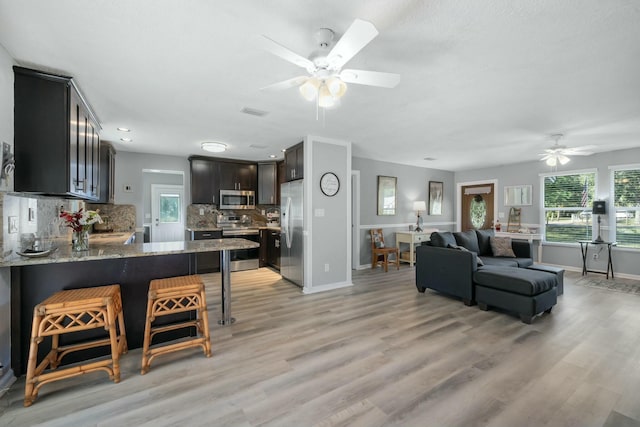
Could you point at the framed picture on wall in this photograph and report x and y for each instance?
(387, 195)
(436, 189)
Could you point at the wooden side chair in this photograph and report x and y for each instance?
(380, 252)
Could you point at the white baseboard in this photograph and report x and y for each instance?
(6, 380)
(323, 288)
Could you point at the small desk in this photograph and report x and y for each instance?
(412, 238)
(584, 247)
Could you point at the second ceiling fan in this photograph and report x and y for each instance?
(326, 81)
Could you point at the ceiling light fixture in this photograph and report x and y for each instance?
(327, 92)
(214, 147)
(272, 156)
(124, 129)
(126, 139)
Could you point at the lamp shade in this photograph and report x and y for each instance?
(599, 207)
(419, 206)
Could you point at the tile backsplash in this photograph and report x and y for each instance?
(27, 213)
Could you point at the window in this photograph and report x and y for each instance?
(169, 208)
(626, 205)
(567, 206)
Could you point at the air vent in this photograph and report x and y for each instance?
(430, 159)
(254, 112)
(258, 146)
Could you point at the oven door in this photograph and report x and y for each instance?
(244, 259)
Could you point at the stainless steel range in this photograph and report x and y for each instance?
(241, 226)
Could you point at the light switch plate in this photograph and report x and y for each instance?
(127, 188)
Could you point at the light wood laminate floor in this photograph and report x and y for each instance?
(375, 354)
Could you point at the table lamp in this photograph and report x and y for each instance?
(599, 208)
(419, 206)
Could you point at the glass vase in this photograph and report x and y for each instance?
(80, 241)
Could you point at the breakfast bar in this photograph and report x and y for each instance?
(131, 266)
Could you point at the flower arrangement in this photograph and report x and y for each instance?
(80, 220)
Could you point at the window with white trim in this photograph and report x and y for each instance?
(567, 200)
(626, 204)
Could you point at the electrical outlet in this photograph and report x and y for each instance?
(201, 211)
(326, 267)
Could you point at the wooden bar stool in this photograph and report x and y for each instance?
(74, 311)
(170, 296)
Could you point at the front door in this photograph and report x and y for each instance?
(166, 211)
(477, 206)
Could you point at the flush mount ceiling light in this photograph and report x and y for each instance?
(124, 129)
(126, 139)
(214, 147)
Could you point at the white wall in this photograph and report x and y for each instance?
(625, 260)
(6, 135)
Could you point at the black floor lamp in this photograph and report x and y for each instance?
(599, 208)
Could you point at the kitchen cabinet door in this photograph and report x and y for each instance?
(247, 176)
(267, 183)
(106, 181)
(273, 248)
(203, 180)
(294, 162)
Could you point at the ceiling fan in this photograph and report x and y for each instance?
(327, 81)
(559, 153)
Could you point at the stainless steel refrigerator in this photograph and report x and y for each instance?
(291, 226)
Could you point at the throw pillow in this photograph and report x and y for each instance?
(468, 239)
(462, 248)
(379, 244)
(501, 246)
(441, 239)
(484, 243)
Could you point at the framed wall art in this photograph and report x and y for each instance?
(387, 195)
(518, 195)
(436, 189)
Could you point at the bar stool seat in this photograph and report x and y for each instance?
(170, 296)
(74, 311)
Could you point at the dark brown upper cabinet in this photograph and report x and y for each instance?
(268, 184)
(57, 141)
(209, 175)
(294, 162)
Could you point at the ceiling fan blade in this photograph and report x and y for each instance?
(545, 157)
(571, 152)
(286, 54)
(357, 36)
(287, 84)
(370, 78)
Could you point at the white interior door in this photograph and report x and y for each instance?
(167, 213)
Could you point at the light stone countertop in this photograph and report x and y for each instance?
(99, 251)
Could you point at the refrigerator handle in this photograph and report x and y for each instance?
(288, 221)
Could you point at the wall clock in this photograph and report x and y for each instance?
(329, 184)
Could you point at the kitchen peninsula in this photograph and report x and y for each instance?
(130, 266)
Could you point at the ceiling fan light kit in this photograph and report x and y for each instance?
(327, 82)
(559, 153)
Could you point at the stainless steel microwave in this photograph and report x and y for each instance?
(237, 199)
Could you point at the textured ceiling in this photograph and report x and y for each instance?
(484, 83)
